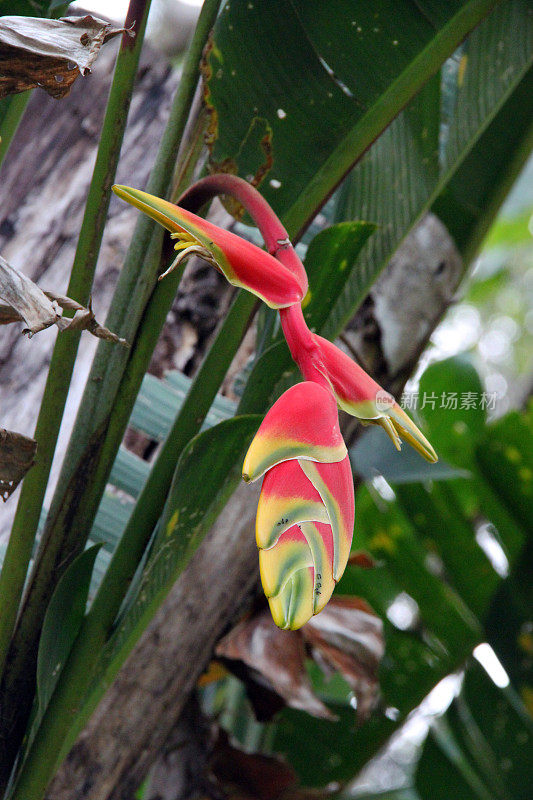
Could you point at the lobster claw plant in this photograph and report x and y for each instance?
(305, 516)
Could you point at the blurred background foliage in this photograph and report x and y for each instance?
(493, 319)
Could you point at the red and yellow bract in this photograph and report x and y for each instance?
(303, 423)
(358, 394)
(242, 263)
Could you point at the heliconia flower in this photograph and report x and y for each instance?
(242, 263)
(305, 515)
(358, 394)
(304, 530)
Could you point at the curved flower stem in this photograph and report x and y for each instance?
(303, 347)
(276, 237)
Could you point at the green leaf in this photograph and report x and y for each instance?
(322, 752)
(509, 625)
(505, 457)
(446, 531)
(58, 6)
(506, 727)
(455, 424)
(61, 625)
(510, 232)
(300, 138)
(469, 202)
(481, 748)
(129, 472)
(444, 772)
(34, 8)
(273, 373)
(477, 100)
(111, 519)
(331, 261)
(388, 536)
(159, 401)
(373, 455)
(201, 486)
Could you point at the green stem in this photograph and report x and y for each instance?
(55, 394)
(66, 530)
(63, 719)
(187, 423)
(14, 108)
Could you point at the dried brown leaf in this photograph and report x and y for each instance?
(361, 559)
(275, 660)
(240, 775)
(17, 453)
(250, 775)
(346, 637)
(26, 299)
(83, 319)
(39, 310)
(49, 53)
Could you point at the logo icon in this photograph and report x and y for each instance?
(384, 400)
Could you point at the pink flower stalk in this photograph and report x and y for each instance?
(305, 516)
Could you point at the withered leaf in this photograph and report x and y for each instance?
(346, 636)
(360, 558)
(49, 53)
(25, 299)
(17, 453)
(39, 310)
(83, 319)
(276, 661)
(250, 775)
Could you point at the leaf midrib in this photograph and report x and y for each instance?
(384, 110)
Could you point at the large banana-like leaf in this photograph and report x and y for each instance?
(295, 93)
(481, 749)
(420, 158)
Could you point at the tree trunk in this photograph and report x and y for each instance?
(132, 723)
